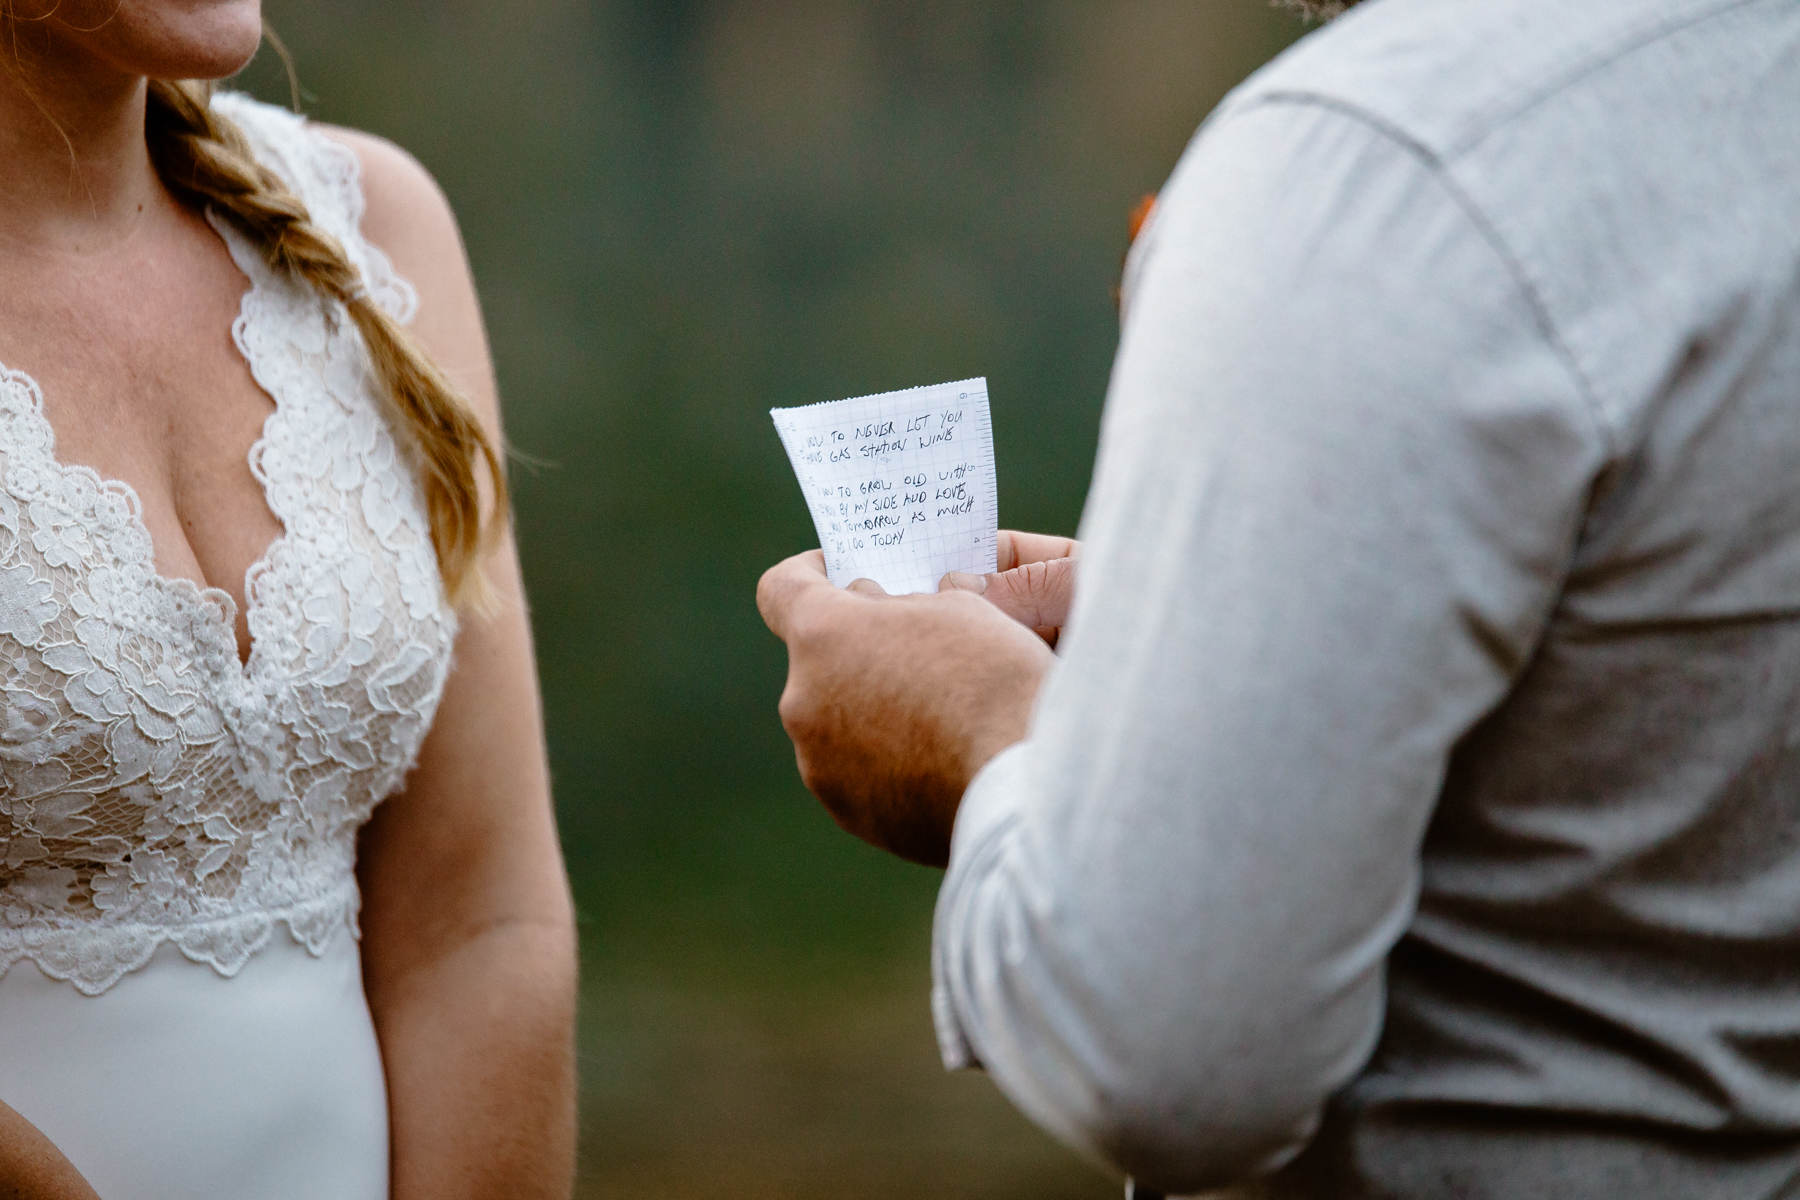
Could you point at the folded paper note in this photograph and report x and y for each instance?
(900, 485)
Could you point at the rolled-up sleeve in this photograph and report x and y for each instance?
(1342, 471)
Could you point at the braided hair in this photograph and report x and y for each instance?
(205, 160)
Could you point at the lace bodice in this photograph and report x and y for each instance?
(153, 788)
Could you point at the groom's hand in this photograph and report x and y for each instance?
(1033, 581)
(894, 702)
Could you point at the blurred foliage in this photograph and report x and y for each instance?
(681, 213)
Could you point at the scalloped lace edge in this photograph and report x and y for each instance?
(94, 958)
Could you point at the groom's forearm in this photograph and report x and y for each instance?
(479, 1052)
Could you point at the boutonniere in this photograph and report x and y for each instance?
(1140, 215)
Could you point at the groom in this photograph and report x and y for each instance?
(1408, 807)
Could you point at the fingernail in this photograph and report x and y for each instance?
(962, 581)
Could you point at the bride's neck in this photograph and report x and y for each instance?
(78, 173)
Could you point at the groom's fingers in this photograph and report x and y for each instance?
(786, 586)
(1037, 594)
(1013, 548)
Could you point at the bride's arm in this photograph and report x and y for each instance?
(468, 933)
(32, 1168)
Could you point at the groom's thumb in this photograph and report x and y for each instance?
(1035, 594)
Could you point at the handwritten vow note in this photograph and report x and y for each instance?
(901, 485)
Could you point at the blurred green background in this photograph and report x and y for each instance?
(680, 213)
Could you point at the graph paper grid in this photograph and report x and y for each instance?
(900, 485)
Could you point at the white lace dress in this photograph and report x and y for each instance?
(181, 1008)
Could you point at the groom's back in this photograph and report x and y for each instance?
(1601, 993)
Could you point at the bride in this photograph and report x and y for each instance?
(281, 908)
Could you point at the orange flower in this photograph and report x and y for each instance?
(1141, 213)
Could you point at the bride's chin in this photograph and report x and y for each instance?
(213, 58)
(162, 39)
(195, 39)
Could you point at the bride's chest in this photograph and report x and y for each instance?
(125, 689)
(141, 381)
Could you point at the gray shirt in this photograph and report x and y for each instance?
(1415, 809)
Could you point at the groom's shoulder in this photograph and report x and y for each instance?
(1443, 74)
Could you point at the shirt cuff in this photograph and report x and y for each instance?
(989, 808)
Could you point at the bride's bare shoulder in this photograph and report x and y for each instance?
(404, 209)
(407, 216)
